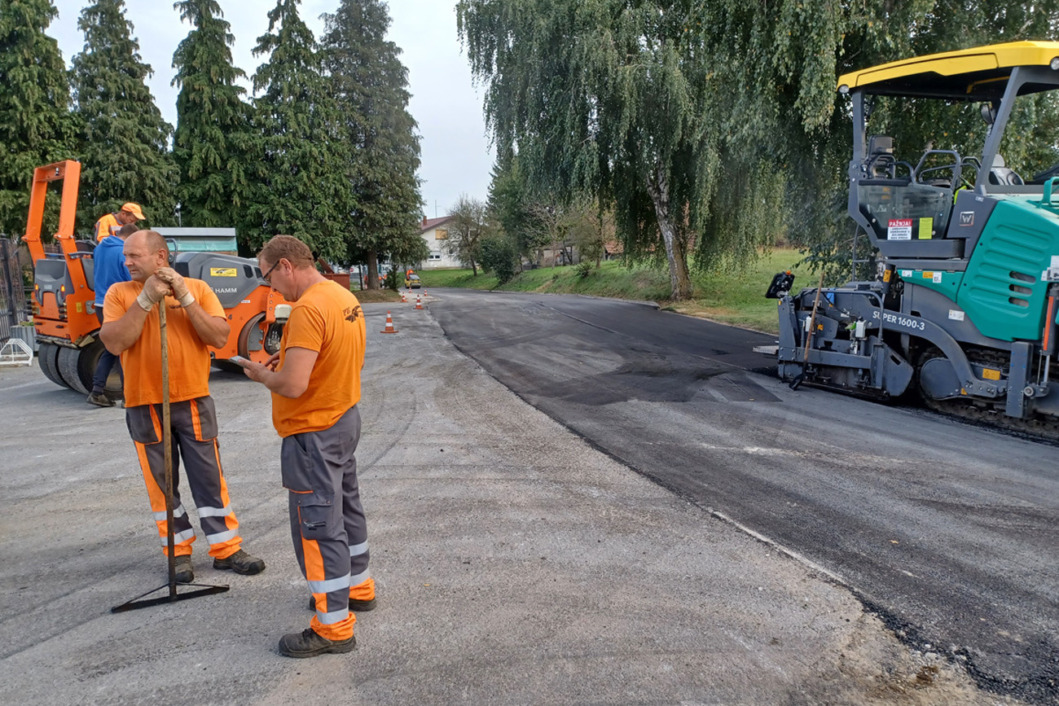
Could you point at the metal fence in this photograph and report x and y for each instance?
(13, 309)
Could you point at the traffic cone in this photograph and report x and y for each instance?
(389, 324)
(403, 299)
(419, 302)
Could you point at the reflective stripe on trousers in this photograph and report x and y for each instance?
(193, 424)
(328, 527)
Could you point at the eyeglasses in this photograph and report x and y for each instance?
(267, 276)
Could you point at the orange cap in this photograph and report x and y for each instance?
(134, 209)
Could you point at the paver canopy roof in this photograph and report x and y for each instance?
(975, 74)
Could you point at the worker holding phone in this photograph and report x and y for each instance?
(315, 385)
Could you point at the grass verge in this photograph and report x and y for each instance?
(735, 296)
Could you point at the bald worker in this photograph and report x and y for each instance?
(194, 321)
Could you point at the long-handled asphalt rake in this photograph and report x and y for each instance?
(167, 440)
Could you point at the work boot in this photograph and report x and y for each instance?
(184, 572)
(240, 563)
(354, 605)
(100, 399)
(308, 643)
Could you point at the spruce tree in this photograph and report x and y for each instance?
(297, 152)
(210, 118)
(34, 105)
(123, 138)
(371, 86)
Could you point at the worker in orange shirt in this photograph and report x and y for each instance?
(194, 320)
(315, 384)
(109, 224)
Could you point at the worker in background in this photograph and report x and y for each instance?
(108, 267)
(315, 385)
(129, 213)
(194, 320)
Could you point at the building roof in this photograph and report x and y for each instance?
(431, 223)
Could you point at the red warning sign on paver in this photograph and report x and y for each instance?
(899, 229)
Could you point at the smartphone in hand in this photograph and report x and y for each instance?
(239, 360)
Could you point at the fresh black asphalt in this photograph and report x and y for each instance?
(948, 531)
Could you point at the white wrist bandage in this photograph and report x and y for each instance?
(144, 301)
(187, 300)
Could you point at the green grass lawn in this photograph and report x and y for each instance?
(734, 296)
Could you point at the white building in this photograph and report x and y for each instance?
(434, 234)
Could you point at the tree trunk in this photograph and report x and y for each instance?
(373, 271)
(679, 282)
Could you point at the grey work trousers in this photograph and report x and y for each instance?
(328, 527)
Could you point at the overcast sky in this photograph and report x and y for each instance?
(455, 153)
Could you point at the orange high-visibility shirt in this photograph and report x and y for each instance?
(107, 225)
(327, 318)
(189, 357)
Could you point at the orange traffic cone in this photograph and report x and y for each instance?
(389, 324)
(419, 302)
(404, 300)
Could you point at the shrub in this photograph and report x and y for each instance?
(500, 256)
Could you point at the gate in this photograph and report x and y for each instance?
(12, 292)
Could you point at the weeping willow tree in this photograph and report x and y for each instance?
(689, 119)
(713, 128)
(604, 99)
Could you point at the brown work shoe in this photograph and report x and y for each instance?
(354, 605)
(100, 400)
(240, 563)
(184, 572)
(308, 643)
